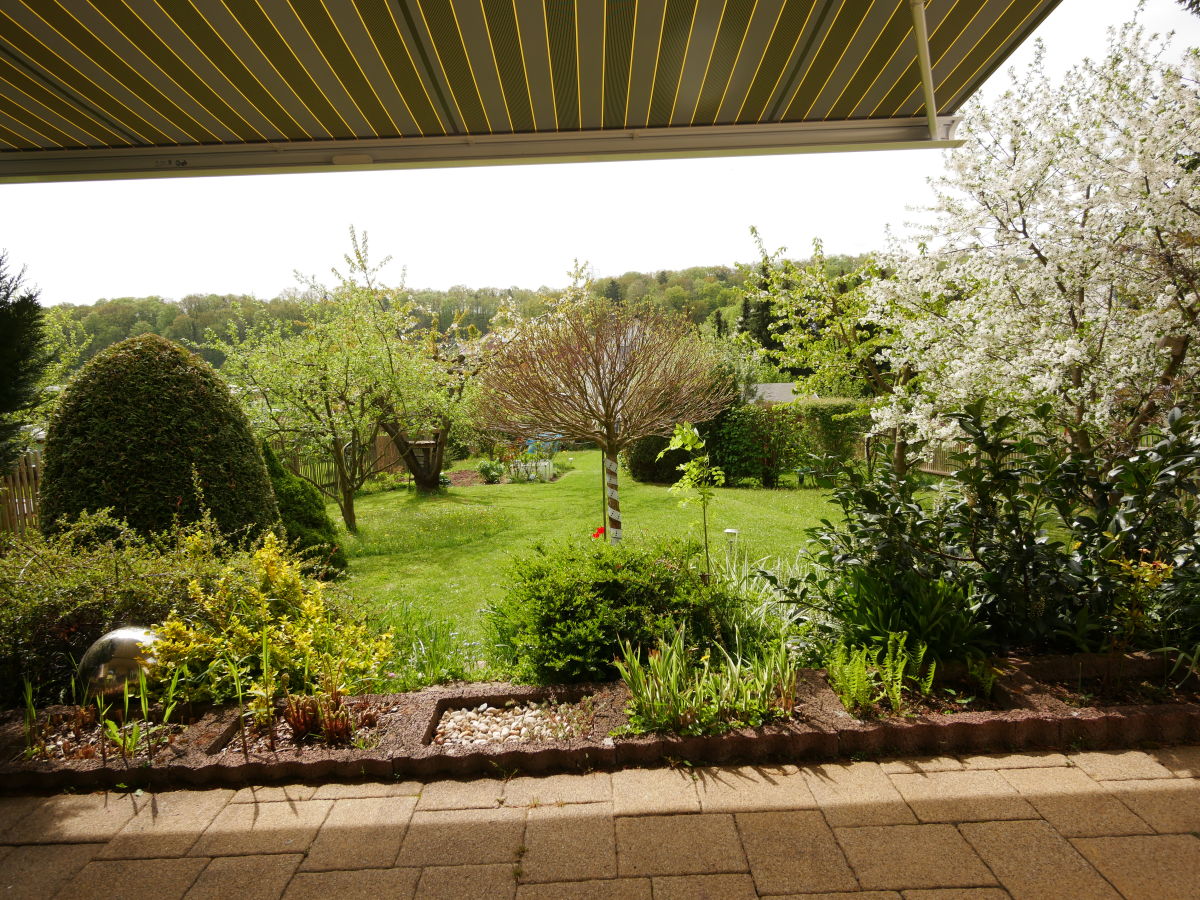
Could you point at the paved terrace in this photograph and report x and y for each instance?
(1076, 825)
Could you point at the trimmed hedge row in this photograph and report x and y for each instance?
(761, 442)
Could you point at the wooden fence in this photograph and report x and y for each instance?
(19, 494)
(320, 469)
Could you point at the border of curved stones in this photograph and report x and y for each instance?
(822, 730)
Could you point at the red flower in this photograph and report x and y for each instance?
(599, 532)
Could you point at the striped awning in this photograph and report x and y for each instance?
(134, 88)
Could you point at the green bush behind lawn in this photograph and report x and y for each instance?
(450, 554)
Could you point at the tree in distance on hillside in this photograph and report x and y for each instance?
(23, 357)
(595, 370)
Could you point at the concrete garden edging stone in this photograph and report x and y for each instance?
(821, 730)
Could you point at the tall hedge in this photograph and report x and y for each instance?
(303, 514)
(141, 426)
(764, 442)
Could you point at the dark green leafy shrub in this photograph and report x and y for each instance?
(95, 574)
(756, 442)
(644, 463)
(1057, 548)
(303, 515)
(148, 430)
(568, 608)
(831, 426)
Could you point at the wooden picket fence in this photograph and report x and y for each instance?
(19, 494)
(320, 469)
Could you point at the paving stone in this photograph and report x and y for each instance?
(14, 809)
(920, 764)
(571, 842)
(648, 792)
(133, 879)
(454, 837)
(793, 851)
(852, 794)
(361, 833)
(704, 887)
(245, 877)
(750, 788)
(483, 793)
(38, 871)
(678, 845)
(368, 789)
(593, 787)
(275, 793)
(1074, 804)
(74, 818)
(958, 894)
(245, 829)
(1156, 867)
(842, 895)
(168, 825)
(897, 857)
(496, 882)
(363, 884)
(962, 797)
(1118, 765)
(1033, 860)
(616, 889)
(4, 851)
(1184, 762)
(1035, 760)
(1169, 806)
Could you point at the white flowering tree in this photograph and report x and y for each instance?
(1062, 265)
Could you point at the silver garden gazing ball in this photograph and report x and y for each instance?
(116, 658)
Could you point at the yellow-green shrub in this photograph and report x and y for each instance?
(265, 630)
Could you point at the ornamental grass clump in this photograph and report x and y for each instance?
(671, 694)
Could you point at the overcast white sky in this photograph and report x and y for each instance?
(502, 226)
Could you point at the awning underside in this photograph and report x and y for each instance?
(96, 88)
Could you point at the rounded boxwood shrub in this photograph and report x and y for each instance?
(303, 515)
(568, 608)
(149, 430)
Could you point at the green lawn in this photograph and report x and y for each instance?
(448, 554)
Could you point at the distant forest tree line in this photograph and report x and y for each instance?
(704, 294)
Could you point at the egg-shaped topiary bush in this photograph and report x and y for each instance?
(303, 514)
(148, 429)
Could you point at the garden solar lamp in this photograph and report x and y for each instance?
(731, 535)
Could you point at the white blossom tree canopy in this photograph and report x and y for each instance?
(1062, 265)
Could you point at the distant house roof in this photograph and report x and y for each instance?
(775, 392)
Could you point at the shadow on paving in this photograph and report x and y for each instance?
(1104, 824)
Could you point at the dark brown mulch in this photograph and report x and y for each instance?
(77, 733)
(1087, 692)
(465, 478)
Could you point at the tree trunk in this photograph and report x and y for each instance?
(613, 528)
(899, 455)
(427, 476)
(346, 504)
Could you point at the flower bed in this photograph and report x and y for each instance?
(209, 751)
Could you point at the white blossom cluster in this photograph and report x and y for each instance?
(1062, 264)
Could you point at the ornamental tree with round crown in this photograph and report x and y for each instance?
(594, 370)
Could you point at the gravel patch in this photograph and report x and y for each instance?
(513, 723)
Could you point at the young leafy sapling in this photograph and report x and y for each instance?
(700, 477)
